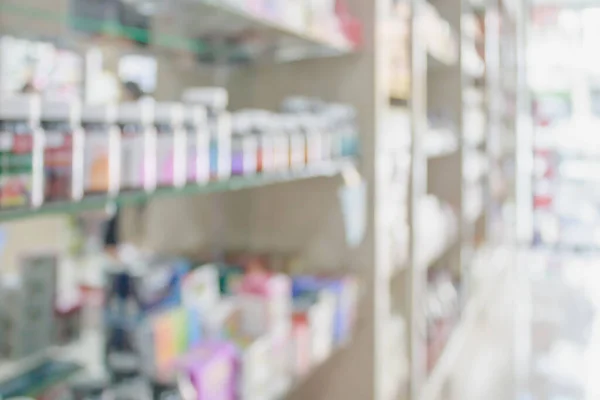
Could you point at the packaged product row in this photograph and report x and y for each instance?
(56, 151)
(243, 328)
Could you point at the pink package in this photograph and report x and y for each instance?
(211, 369)
(265, 302)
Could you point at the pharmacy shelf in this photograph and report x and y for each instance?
(224, 20)
(328, 169)
(87, 353)
(213, 30)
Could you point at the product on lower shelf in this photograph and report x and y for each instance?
(227, 331)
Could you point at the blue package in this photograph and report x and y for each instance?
(160, 288)
(302, 285)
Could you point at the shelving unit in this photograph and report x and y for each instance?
(461, 178)
(412, 180)
(330, 169)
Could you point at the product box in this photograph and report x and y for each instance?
(223, 321)
(166, 336)
(255, 367)
(210, 371)
(201, 288)
(159, 286)
(301, 359)
(265, 302)
(345, 291)
(319, 309)
(281, 348)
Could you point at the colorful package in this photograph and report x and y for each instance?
(265, 302)
(201, 289)
(210, 370)
(255, 368)
(344, 289)
(160, 286)
(230, 279)
(301, 360)
(20, 147)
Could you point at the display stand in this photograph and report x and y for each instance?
(405, 161)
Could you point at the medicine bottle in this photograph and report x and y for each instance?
(63, 150)
(21, 152)
(197, 145)
(244, 147)
(138, 145)
(170, 144)
(101, 150)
